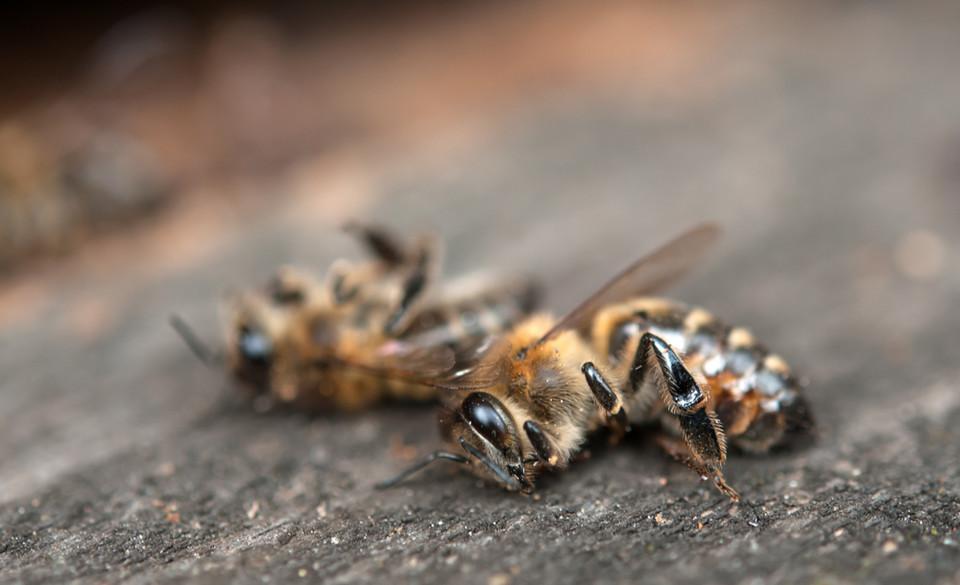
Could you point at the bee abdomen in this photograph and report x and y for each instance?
(753, 390)
(756, 396)
(460, 322)
(693, 333)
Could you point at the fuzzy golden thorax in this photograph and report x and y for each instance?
(539, 384)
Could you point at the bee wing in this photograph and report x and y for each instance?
(397, 360)
(476, 376)
(650, 273)
(434, 366)
(427, 361)
(471, 368)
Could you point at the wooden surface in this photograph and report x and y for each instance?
(826, 141)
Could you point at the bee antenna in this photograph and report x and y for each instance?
(199, 349)
(496, 470)
(420, 465)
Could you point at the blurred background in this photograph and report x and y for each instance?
(149, 116)
(153, 155)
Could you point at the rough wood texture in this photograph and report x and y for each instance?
(827, 142)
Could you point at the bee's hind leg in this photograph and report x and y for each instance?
(701, 429)
(680, 452)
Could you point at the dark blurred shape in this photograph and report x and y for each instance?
(129, 48)
(115, 107)
(71, 165)
(52, 195)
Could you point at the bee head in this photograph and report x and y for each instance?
(486, 431)
(258, 322)
(253, 355)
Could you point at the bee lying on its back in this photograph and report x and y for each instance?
(756, 398)
(544, 386)
(368, 332)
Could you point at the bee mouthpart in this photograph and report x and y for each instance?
(518, 471)
(497, 471)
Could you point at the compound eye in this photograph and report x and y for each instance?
(482, 413)
(255, 346)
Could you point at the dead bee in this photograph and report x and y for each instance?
(757, 399)
(542, 388)
(368, 332)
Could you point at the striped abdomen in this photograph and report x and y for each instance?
(461, 319)
(470, 311)
(752, 390)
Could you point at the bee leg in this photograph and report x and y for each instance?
(543, 445)
(609, 400)
(681, 453)
(701, 429)
(288, 287)
(337, 280)
(414, 286)
(381, 243)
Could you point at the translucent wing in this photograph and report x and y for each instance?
(396, 357)
(475, 366)
(436, 366)
(483, 369)
(650, 273)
